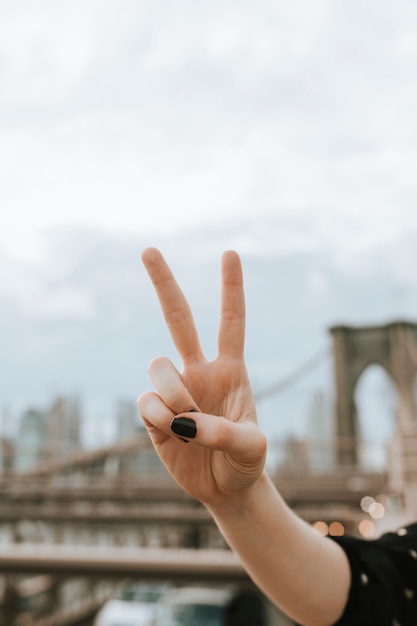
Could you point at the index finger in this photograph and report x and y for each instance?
(176, 310)
(231, 338)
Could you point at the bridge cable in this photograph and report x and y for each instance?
(292, 378)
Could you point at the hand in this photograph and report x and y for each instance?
(225, 451)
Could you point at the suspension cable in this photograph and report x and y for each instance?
(292, 378)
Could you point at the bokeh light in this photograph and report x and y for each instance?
(322, 528)
(336, 529)
(366, 528)
(377, 510)
(366, 503)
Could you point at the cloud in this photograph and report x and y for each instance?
(45, 50)
(285, 130)
(37, 292)
(130, 118)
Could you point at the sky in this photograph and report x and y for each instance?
(284, 130)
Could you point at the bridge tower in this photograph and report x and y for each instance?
(394, 347)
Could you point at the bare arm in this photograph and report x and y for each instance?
(222, 464)
(304, 574)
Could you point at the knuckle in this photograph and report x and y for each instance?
(148, 403)
(178, 399)
(176, 316)
(231, 315)
(158, 363)
(142, 401)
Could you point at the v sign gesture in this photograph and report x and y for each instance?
(227, 450)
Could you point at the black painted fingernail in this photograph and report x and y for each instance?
(184, 427)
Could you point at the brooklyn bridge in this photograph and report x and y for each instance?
(74, 529)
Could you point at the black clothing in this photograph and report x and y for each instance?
(245, 609)
(384, 579)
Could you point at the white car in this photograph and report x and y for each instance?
(192, 606)
(122, 613)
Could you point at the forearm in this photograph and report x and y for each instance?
(304, 574)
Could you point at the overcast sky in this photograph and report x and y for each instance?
(285, 130)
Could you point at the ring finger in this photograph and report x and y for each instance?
(168, 383)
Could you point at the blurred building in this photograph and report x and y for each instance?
(127, 420)
(47, 435)
(6, 455)
(30, 441)
(129, 427)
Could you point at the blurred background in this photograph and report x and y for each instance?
(284, 130)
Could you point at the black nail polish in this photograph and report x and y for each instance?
(184, 427)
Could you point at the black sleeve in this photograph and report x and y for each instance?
(383, 591)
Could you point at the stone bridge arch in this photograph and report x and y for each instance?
(394, 347)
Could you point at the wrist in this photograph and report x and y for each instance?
(243, 503)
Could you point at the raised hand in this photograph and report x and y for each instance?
(202, 420)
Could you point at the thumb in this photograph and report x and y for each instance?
(242, 440)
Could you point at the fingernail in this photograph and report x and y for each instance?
(184, 427)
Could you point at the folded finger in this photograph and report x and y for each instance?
(154, 411)
(169, 385)
(243, 440)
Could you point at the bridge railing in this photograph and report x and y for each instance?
(131, 462)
